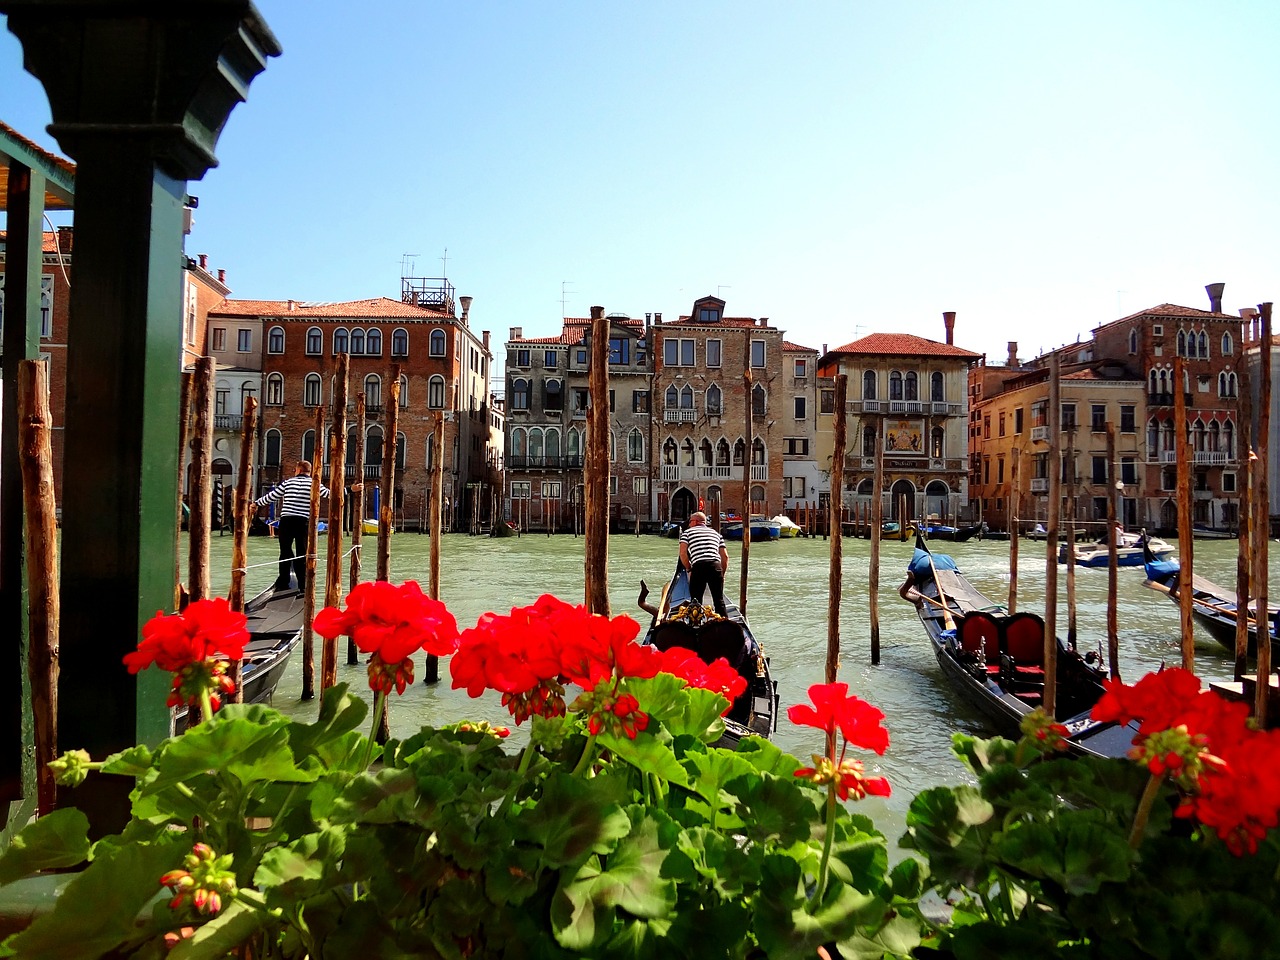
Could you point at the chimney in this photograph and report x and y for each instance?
(1215, 296)
(949, 321)
(466, 309)
(1013, 353)
(824, 349)
(484, 335)
(648, 319)
(292, 306)
(1247, 315)
(657, 318)
(222, 277)
(66, 237)
(517, 333)
(764, 321)
(204, 262)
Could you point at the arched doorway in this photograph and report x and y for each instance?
(683, 505)
(937, 497)
(903, 488)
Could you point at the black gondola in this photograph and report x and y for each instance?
(1212, 605)
(995, 660)
(679, 623)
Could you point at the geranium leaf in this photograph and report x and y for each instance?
(134, 762)
(384, 796)
(682, 710)
(232, 746)
(58, 839)
(340, 713)
(767, 757)
(575, 818)
(222, 935)
(939, 824)
(786, 924)
(302, 864)
(774, 810)
(99, 909)
(899, 936)
(1079, 853)
(647, 754)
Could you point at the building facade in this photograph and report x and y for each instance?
(916, 391)
(801, 478)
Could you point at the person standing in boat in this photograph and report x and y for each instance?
(704, 556)
(294, 497)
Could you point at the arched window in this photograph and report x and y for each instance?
(1153, 437)
(552, 440)
(758, 454)
(739, 452)
(912, 384)
(519, 443)
(311, 392)
(1133, 341)
(869, 385)
(340, 344)
(670, 452)
(535, 447)
(519, 394)
(865, 487)
(400, 342)
(351, 447)
(275, 390)
(1229, 440)
(435, 393)
(431, 451)
(936, 392)
(1197, 437)
(1152, 378)
(672, 397)
(706, 454)
(686, 397)
(688, 452)
(1228, 345)
(275, 340)
(309, 446)
(373, 445)
(573, 445)
(895, 385)
(757, 493)
(357, 342)
(1222, 385)
(315, 341)
(400, 449)
(373, 343)
(713, 401)
(868, 441)
(247, 390)
(436, 343)
(404, 392)
(271, 452)
(722, 453)
(553, 398)
(759, 400)
(1182, 343)
(635, 446)
(1166, 436)
(936, 442)
(1204, 345)
(373, 392)
(1214, 439)
(613, 447)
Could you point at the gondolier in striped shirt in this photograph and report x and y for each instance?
(703, 555)
(294, 497)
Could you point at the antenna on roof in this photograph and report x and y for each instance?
(564, 295)
(407, 264)
(723, 286)
(444, 264)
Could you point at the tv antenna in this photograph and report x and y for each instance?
(444, 264)
(723, 286)
(407, 264)
(564, 295)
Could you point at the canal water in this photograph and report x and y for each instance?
(787, 608)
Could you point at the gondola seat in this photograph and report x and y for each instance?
(980, 638)
(1022, 640)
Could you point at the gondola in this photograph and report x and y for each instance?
(1212, 605)
(678, 623)
(995, 661)
(275, 620)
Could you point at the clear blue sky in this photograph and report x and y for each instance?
(841, 168)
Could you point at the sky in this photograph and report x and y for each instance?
(842, 168)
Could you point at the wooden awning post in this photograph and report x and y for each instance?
(138, 95)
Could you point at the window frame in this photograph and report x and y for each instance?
(314, 342)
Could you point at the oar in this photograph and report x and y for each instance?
(947, 620)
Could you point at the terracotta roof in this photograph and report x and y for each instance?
(47, 244)
(722, 322)
(376, 309)
(904, 345)
(1173, 310)
(788, 346)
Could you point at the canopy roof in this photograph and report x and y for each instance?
(59, 172)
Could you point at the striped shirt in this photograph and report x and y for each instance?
(704, 543)
(293, 495)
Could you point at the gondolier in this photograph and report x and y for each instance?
(294, 497)
(704, 556)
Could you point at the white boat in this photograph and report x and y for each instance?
(786, 526)
(1129, 551)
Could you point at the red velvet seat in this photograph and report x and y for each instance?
(980, 633)
(1023, 643)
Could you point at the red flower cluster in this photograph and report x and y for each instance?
(1230, 771)
(859, 722)
(530, 655)
(205, 630)
(391, 623)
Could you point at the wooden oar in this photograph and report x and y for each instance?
(947, 620)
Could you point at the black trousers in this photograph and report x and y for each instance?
(704, 574)
(292, 534)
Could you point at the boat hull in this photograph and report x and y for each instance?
(1213, 607)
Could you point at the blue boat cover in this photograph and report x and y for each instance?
(919, 565)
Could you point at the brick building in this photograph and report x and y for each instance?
(444, 367)
(917, 390)
(801, 478)
(701, 405)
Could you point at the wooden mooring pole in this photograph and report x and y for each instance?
(1262, 522)
(386, 504)
(745, 564)
(1051, 538)
(243, 517)
(184, 428)
(1113, 560)
(1186, 557)
(333, 542)
(596, 470)
(1070, 467)
(1015, 510)
(431, 672)
(35, 427)
(877, 510)
(1244, 516)
(309, 588)
(835, 575)
(200, 520)
(357, 519)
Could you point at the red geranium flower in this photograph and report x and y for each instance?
(205, 630)
(391, 621)
(859, 721)
(718, 677)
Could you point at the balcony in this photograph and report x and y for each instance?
(867, 406)
(372, 471)
(1039, 484)
(679, 415)
(1040, 434)
(1165, 399)
(1213, 458)
(671, 472)
(568, 462)
(228, 421)
(719, 474)
(759, 471)
(943, 409)
(907, 406)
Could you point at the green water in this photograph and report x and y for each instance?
(787, 607)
